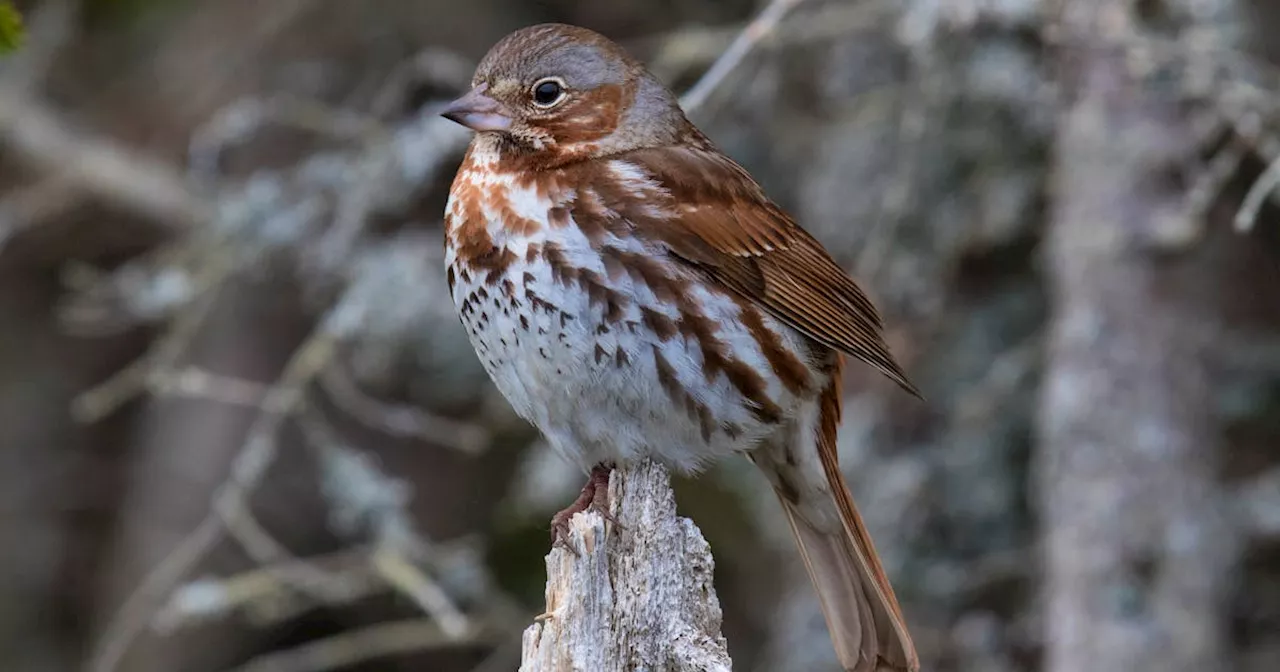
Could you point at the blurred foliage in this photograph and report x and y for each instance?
(10, 27)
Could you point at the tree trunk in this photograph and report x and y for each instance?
(1137, 545)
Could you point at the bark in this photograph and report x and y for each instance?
(1138, 550)
(637, 596)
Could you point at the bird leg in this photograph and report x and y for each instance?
(594, 497)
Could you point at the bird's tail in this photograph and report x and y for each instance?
(862, 613)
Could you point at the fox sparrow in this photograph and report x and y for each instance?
(634, 294)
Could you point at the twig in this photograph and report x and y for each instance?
(100, 401)
(355, 646)
(401, 420)
(284, 399)
(1213, 178)
(691, 46)
(239, 121)
(99, 165)
(759, 28)
(52, 195)
(134, 614)
(435, 66)
(198, 383)
(1263, 187)
(429, 596)
(359, 491)
(247, 470)
(260, 592)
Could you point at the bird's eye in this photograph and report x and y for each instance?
(547, 92)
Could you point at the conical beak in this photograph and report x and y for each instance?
(477, 111)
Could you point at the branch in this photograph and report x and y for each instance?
(759, 28)
(638, 596)
(356, 646)
(100, 166)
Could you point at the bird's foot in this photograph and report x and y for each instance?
(594, 497)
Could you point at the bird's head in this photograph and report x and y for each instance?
(563, 93)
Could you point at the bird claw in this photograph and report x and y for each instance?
(594, 497)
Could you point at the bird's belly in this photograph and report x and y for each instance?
(608, 371)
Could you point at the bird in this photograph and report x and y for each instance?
(634, 294)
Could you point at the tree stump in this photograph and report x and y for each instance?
(635, 597)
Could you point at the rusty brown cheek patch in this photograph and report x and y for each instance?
(591, 118)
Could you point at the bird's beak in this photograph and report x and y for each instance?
(477, 111)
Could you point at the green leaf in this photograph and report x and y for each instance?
(10, 27)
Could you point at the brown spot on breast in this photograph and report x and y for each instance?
(539, 303)
(662, 326)
(558, 217)
(473, 246)
(592, 213)
(496, 262)
(681, 397)
(599, 293)
(561, 270)
(667, 375)
(717, 359)
(535, 174)
(787, 366)
(497, 198)
(662, 278)
(466, 211)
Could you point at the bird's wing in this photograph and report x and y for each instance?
(709, 212)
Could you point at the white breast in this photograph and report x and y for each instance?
(576, 357)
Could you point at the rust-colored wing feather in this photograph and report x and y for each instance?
(728, 227)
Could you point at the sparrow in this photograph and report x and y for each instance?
(634, 294)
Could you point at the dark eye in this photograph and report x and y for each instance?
(547, 92)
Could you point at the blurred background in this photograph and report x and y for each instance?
(241, 428)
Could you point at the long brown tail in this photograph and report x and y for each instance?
(866, 623)
(862, 612)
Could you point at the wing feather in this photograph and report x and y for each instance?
(718, 219)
